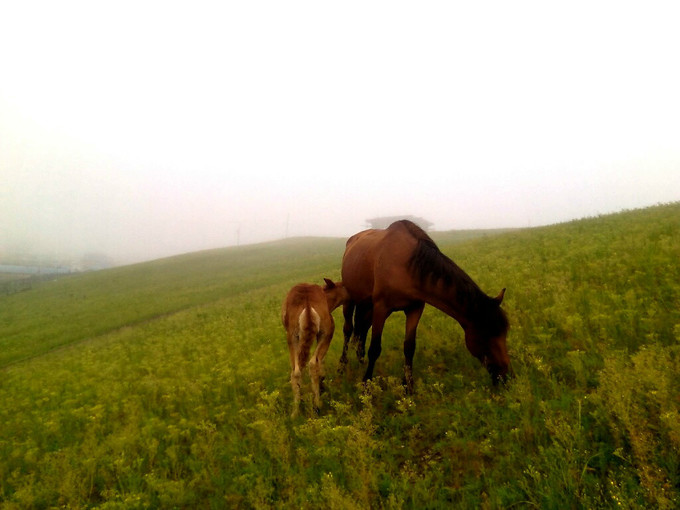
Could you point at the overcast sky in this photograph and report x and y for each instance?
(143, 129)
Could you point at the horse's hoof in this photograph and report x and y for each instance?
(407, 382)
(408, 387)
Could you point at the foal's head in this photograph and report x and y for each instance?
(336, 294)
(485, 338)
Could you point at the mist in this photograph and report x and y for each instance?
(143, 130)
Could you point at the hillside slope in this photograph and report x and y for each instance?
(180, 396)
(86, 305)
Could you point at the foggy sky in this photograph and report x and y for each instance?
(141, 130)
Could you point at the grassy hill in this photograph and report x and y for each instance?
(87, 305)
(165, 384)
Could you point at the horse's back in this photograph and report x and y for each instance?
(373, 256)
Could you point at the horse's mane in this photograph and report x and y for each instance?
(429, 265)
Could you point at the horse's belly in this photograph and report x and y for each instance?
(357, 274)
(358, 281)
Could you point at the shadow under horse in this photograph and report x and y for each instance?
(401, 268)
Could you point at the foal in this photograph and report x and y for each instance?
(306, 315)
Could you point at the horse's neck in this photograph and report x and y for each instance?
(447, 299)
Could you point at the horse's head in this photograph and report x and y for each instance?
(486, 339)
(336, 294)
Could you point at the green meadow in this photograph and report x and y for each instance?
(166, 384)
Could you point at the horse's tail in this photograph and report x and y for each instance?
(309, 323)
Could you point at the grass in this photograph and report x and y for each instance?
(165, 384)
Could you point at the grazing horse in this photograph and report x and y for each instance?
(401, 268)
(306, 315)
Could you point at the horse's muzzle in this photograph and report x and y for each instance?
(499, 375)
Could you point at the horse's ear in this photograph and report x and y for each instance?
(329, 283)
(499, 299)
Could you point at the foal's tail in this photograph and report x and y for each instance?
(309, 323)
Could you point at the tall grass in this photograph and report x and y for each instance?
(180, 395)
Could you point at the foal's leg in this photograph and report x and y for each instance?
(316, 364)
(295, 373)
(380, 315)
(412, 318)
(347, 328)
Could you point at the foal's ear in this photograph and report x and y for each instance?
(499, 299)
(329, 283)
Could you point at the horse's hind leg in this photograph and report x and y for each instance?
(412, 318)
(380, 314)
(362, 322)
(347, 328)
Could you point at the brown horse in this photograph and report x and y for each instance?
(306, 315)
(401, 268)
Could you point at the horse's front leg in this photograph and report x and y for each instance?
(380, 315)
(413, 315)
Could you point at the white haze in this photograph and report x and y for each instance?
(144, 129)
